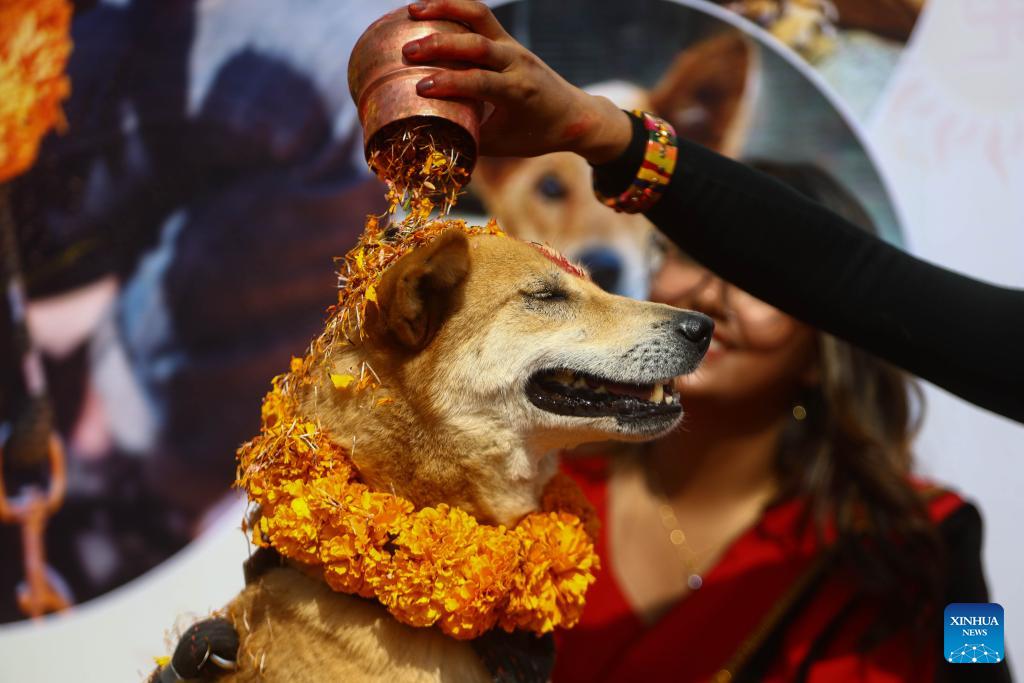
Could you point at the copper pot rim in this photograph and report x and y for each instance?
(468, 149)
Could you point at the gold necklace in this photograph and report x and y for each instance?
(677, 537)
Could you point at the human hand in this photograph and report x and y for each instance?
(536, 111)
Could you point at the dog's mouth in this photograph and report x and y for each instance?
(577, 394)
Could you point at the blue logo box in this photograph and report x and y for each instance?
(973, 633)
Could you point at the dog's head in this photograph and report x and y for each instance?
(492, 355)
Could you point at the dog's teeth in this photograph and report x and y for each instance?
(580, 383)
(601, 390)
(668, 399)
(564, 377)
(657, 394)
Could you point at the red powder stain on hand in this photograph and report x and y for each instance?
(575, 131)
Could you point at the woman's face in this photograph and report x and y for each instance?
(757, 353)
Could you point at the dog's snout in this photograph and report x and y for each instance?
(697, 328)
(605, 267)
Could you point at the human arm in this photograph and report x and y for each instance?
(960, 333)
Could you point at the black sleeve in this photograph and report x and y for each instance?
(961, 334)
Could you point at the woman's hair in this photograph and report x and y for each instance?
(851, 455)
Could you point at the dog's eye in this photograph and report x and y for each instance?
(551, 187)
(551, 294)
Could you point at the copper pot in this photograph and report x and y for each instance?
(383, 83)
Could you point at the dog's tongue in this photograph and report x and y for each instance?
(642, 392)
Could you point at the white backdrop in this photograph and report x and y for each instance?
(949, 135)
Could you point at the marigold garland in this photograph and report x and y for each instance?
(432, 566)
(34, 47)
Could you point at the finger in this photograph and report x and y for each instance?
(462, 47)
(472, 13)
(476, 84)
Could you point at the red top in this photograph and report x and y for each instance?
(700, 634)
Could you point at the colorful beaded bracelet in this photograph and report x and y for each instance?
(655, 172)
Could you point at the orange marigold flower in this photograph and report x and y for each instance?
(34, 48)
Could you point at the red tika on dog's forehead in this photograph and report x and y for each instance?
(560, 261)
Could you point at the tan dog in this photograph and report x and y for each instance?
(706, 94)
(495, 356)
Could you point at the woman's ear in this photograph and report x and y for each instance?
(416, 294)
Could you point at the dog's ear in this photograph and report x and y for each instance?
(417, 292)
(702, 94)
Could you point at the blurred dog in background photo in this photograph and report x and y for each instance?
(706, 93)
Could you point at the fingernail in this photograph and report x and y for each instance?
(424, 85)
(418, 6)
(410, 49)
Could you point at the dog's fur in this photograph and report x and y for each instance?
(462, 324)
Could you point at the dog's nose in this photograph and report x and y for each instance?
(697, 328)
(605, 267)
